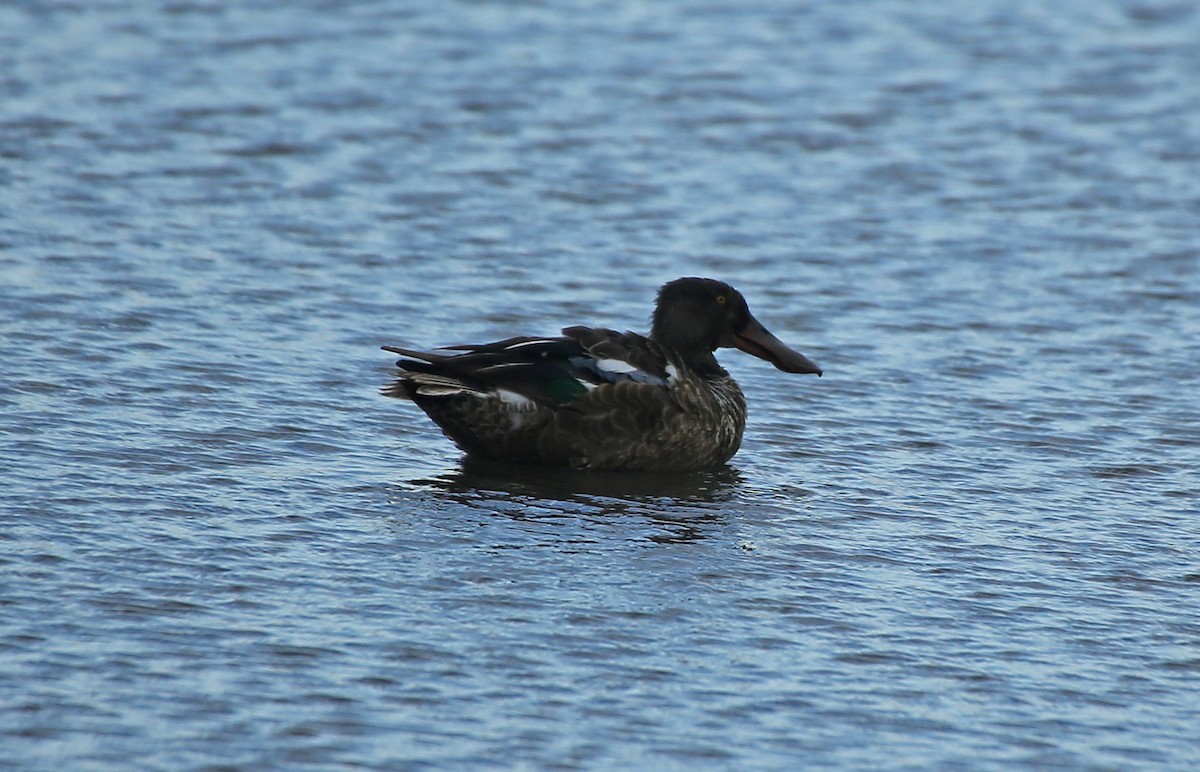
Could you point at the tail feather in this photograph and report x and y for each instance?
(423, 374)
(397, 389)
(425, 385)
(424, 356)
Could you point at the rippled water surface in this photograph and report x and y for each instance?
(974, 543)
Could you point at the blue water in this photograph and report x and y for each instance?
(975, 543)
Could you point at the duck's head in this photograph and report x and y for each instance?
(697, 316)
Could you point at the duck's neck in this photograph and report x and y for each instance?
(698, 359)
(706, 366)
(691, 344)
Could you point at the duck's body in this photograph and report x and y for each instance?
(600, 399)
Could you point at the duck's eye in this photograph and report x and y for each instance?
(720, 300)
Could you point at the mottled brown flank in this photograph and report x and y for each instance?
(618, 426)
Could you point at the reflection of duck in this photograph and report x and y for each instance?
(601, 399)
(680, 507)
(476, 476)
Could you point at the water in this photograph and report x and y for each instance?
(973, 543)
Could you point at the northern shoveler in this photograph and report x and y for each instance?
(601, 399)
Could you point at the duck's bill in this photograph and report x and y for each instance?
(756, 340)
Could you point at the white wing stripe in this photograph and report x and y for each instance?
(538, 342)
(615, 366)
(519, 401)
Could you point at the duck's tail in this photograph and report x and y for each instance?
(421, 374)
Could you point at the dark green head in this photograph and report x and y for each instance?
(697, 316)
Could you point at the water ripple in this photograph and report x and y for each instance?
(972, 542)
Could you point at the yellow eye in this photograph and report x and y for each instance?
(720, 300)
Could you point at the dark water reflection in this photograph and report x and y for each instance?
(570, 485)
(682, 506)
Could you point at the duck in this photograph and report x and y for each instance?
(596, 398)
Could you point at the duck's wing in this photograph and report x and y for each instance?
(617, 357)
(554, 372)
